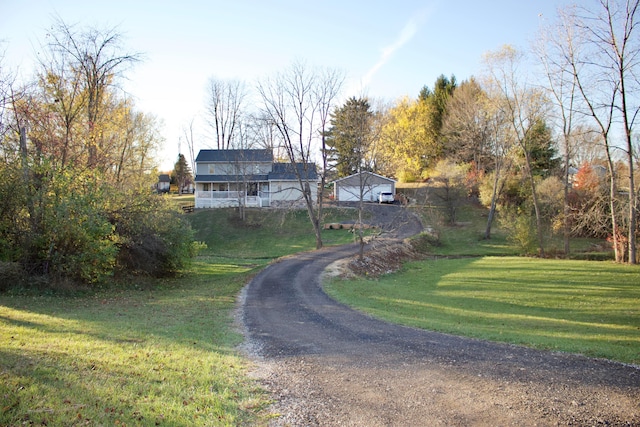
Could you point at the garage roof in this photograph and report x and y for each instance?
(370, 179)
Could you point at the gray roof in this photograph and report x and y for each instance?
(231, 178)
(279, 172)
(370, 177)
(227, 156)
(286, 171)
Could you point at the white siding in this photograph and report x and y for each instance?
(369, 193)
(348, 189)
(284, 191)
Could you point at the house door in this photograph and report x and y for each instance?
(252, 189)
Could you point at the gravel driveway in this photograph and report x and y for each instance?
(326, 364)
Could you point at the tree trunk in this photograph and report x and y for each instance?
(619, 256)
(308, 198)
(359, 229)
(632, 202)
(494, 202)
(566, 227)
(632, 219)
(536, 208)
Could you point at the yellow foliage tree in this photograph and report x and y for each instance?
(409, 139)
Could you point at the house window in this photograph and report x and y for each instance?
(252, 189)
(211, 169)
(205, 186)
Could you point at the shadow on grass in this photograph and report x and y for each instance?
(163, 355)
(570, 306)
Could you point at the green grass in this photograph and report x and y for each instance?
(466, 238)
(591, 308)
(264, 233)
(181, 199)
(157, 356)
(158, 352)
(165, 352)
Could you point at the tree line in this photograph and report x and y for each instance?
(530, 135)
(548, 147)
(77, 165)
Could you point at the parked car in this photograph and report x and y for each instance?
(385, 197)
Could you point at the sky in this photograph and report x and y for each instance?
(387, 49)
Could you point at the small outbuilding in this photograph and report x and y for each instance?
(367, 185)
(164, 183)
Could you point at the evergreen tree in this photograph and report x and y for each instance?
(181, 173)
(544, 156)
(349, 135)
(442, 90)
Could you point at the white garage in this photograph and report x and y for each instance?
(369, 184)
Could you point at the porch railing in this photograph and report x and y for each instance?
(232, 197)
(218, 194)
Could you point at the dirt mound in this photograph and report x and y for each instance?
(383, 258)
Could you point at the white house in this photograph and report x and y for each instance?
(229, 178)
(366, 184)
(164, 183)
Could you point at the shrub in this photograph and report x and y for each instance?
(74, 226)
(11, 274)
(424, 242)
(154, 238)
(520, 228)
(59, 229)
(79, 237)
(406, 175)
(551, 197)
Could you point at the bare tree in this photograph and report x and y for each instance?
(11, 121)
(603, 60)
(466, 126)
(5, 83)
(499, 147)
(292, 105)
(603, 114)
(63, 91)
(263, 132)
(474, 131)
(328, 88)
(524, 107)
(555, 45)
(589, 147)
(96, 56)
(225, 104)
(189, 137)
(613, 48)
(138, 137)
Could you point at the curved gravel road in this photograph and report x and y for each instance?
(326, 364)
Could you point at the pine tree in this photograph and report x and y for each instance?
(181, 173)
(349, 135)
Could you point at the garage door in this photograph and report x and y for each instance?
(348, 194)
(352, 194)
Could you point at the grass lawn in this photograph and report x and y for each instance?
(591, 308)
(265, 234)
(160, 352)
(164, 352)
(157, 356)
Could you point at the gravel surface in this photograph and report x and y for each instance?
(326, 364)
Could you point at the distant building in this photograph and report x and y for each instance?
(164, 183)
(228, 178)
